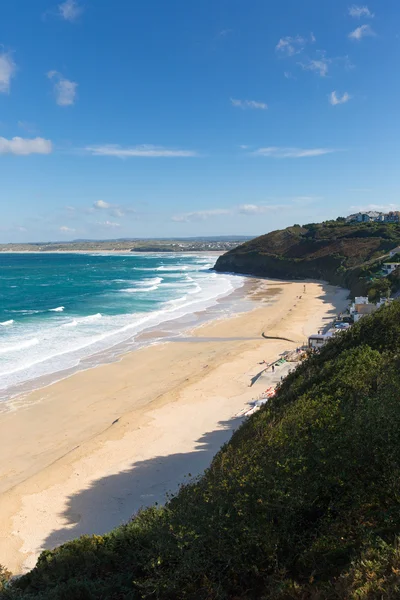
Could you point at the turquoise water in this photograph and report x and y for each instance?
(57, 311)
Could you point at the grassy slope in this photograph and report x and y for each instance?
(335, 251)
(304, 502)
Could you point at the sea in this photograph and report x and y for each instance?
(60, 313)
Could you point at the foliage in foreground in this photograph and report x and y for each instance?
(303, 503)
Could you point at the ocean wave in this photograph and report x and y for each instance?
(177, 301)
(58, 309)
(172, 268)
(143, 269)
(21, 346)
(7, 323)
(90, 318)
(152, 288)
(150, 281)
(83, 320)
(26, 312)
(73, 323)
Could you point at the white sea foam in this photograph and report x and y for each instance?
(58, 309)
(54, 347)
(90, 318)
(151, 288)
(23, 345)
(73, 323)
(149, 281)
(7, 323)
(172, 268)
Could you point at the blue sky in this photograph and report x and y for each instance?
(181, 118)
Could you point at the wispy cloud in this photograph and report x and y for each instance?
(64, 89)
(224, 33)
(65, 229)
(23, 146)
(258, 209)
(362, 32)
(360, 11)
(7, 71)
(101, 205)
(70, 10)
(334, 99)
(108, 224)
(284, 152)
(249, 104)
(28, 127)
(133, 151)
(289, 46)
(320, 66)
(377, 207)
(112, 209)
(200, 215)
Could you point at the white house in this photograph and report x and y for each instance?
(389, 267)
(394, 251)
(317, 340)
(360, 307)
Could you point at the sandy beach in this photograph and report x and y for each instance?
(84, 454)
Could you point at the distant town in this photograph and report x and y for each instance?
(375, 216)
(204, 244)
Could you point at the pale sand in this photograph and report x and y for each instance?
(83, 455)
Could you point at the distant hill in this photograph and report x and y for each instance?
(338, 252)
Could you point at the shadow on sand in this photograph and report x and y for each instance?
(113, 500)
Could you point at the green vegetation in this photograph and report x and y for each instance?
(346, 254)
(302, 503)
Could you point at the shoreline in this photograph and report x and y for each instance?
(152, 334)
(115, 252)
(90, 450)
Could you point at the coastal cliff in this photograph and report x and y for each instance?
(335, 251)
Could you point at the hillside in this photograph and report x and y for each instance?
(334, 251)
(302, 503)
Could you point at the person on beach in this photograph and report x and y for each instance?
(273, 368)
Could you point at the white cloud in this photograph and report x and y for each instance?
(245, 104)
(64, 89)
(100, 204)
(65, 229)
(23, 146)
(334, 99)
(250, 209)
(257, 209)
(109, 224)
(360, 11)
(7, 72)
(70, 10)
(118, 212)
(200, 215)
(282, 152)
(361, 32)
(289, 46)
(145, 150)
(377, 207)
(319, 66)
